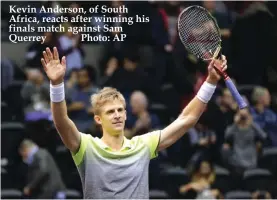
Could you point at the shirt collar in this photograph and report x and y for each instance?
(126, 144)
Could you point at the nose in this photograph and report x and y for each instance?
(116, 114)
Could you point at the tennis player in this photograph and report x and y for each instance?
(114, 166)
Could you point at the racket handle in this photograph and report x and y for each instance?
(229, 83)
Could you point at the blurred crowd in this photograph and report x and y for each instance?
(230, 153)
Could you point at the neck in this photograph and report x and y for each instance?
(85, 87)
(142, 113)
(243, 125)
(115, 142)
(260, 108)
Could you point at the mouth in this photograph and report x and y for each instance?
(117, 122)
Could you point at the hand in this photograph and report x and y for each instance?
(203, 142)
(215, 193)
(213, 139)
(78, 105)
(168, 48)
(199, 186)
(54, 69)
(111, 66)
(144, 121)
(214, 76)
(226, 146)
(27, 191)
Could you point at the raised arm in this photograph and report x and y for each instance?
(192, 112)
(55, 71)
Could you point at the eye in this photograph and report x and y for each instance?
(120, 110)
(110, 111)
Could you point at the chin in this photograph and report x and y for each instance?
(118, 130)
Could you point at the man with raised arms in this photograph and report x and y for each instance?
(113, 166)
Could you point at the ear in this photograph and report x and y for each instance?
(97, 119)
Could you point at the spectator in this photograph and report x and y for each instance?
(130, 77)
(79, 106)
(261, 195)
(202, 180)
(72, 80)
(243, 142)
(34, 52)
(203, 139)
(263, 115)
(71, 49)
(7, 73)
(254, 29)
(141, 121)
(221, 18)
(35, 92)
(43, 178)
(223, 110)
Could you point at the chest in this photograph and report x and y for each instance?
(245, 137)
(114, 170)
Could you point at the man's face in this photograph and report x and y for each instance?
(266, 98)
(112, 117)
(136, 104)
(24, 153)
(227, 98)
(83, 78)
(205, 168)
(129, 65)
(210, 5)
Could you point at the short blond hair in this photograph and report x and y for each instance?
(257, 93)
(107, 94)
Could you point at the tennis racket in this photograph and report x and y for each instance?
(200, 34)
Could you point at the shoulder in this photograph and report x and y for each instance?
(148, 136)
(94, 89)
(231, 128)
(85, 140)
(150, 140)
(270, 112)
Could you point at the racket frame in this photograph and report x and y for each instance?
(229, 83)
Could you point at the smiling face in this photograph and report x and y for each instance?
(112, 117)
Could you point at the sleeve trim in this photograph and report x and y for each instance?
(79, 155)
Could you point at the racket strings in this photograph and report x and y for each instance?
(199, 33)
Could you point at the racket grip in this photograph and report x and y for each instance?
(240, 101)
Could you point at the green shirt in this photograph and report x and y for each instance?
(116, 174)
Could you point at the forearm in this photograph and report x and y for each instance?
(197, 106)
(39, 178)
(65, 127)
(193, 111)
(60, 117)
(188, 117)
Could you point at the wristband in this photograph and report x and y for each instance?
(57, 92)
(206, 92)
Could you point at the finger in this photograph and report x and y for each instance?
(49, 53)
(224, 64)
(224, 60)
(224, 68)
(211, 65)
(56, 53)
(43, 64)
(46, 59)
(223, 57)
(63, 61)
